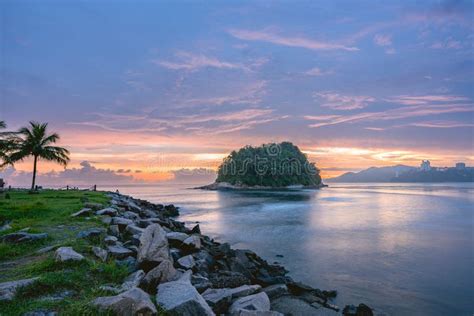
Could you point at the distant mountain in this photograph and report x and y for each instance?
(373, 174)
(401, 173)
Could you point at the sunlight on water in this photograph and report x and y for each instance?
(404, 249)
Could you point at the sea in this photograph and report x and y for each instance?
(403, 249)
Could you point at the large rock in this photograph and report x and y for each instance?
(121, 222)
(9, 289)
(176, 238)
(361, 310)
(153, 247)
(110, 211)
(187, 262)
(192, 242)
(132, 302)
(22, 236)
(229, 279)
(201, 283)
(130, 215)
(93, 206)
(132, 229)
(276, 290)
(133, 280)
(164, 272)
(91, 232)
(288, 304)
(255, 302)
(83, 212)
(220, 299)
(63, 254)
(119, 252)
(100, 253)
(181, 298)
(110, 240)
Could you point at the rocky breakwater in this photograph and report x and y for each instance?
(191, 274)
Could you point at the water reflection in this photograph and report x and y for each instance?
(404, 248)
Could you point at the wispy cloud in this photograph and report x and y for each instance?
(393, 114)
(386, 42)
(448, 44)
(250, 93)
(441, 124)
(425, 99)
(291, 41)
(316, 71)
(207, 123)
(383, 40)
(192, 62)
(338, 101)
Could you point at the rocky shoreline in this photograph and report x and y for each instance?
(188, 272)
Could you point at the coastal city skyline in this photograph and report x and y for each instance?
(136, 92)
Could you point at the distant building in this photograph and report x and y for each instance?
(460, 165)
(425, 165)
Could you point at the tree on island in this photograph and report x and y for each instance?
(35, 141)
(269, 165)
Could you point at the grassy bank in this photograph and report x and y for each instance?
(50, 212)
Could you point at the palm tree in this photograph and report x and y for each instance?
(4, 143)
(34, 141)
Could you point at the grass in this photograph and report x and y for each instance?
(50, 212)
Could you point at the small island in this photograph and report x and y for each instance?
(269, 166)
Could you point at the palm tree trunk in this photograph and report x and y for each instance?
(34, 173)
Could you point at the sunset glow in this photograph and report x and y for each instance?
(351, 92)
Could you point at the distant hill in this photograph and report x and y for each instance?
(401, 173)
(373, 174)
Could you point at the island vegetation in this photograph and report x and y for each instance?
(273, 165)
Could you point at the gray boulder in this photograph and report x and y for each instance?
(181, 298)
(130, 215)
(114, 230)
(93, 206)
(276, 290)
(201, 283)
(176, 238)
(22, 236)
(132, 302)
(187, 262)
(83, 212)
(110, 211)
(132, 229)
(193, 242)
(121, 222)
(133, 280)
(164, 272)
(63, 254)
(119, 252)
(255, 302)
(153, 247)
(220, 299)
(9, 289)
(110, 240)
(91, 232)
(100, 253)
(244, 312)
(288, 304)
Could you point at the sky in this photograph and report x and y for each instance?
(141, 89)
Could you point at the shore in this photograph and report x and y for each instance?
(167, 259)
(222, 186)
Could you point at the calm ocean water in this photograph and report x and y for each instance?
(405, 249)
